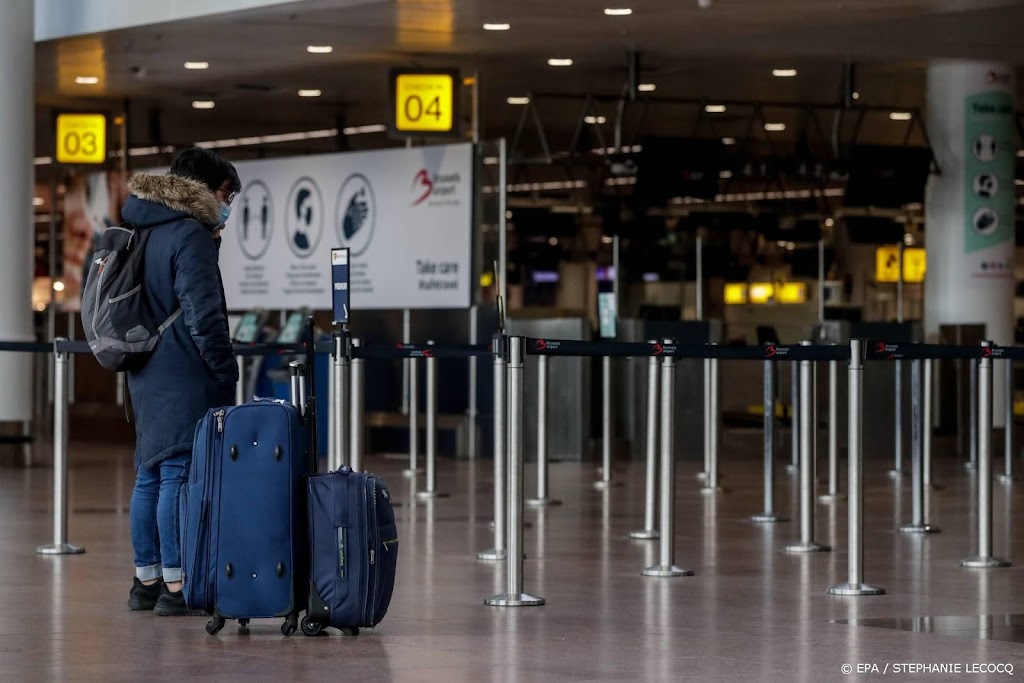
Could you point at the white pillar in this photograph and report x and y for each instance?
(970, 207)
(17, 114)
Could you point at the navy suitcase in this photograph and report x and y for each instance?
(242, 531)
(353, 551)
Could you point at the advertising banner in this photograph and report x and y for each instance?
(405, 215)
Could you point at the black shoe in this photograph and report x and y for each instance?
(143, 597)
(173, 605)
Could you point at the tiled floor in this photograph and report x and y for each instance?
(751, 612)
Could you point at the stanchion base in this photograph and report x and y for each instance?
(409, 473)
(60, 549)
(712, 490)
(431, 495)
(767, 518)
(1007, 478)
(855, 589)
(831, 497)
(492, 555)
(984, 563)
(919, 529)
(811, 547)
(898, 474)
(645, 534)
(513, 600)
(542, 502)
(666, 571)
(603, 485)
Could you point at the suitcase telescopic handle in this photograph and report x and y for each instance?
(297, 370)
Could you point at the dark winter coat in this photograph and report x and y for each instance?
(192, 369)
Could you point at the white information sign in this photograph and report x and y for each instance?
(406, 215)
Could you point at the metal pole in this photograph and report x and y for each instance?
(926, 435)
(918, 525)
(471, 413)
(407, 364)
(806, 544)
(60, 545)
(502, 221)
(414, 421)
(984, 558)
(794, 417)
(339, 411)
(700, 277)
(973, 430)
(899, 282)
(71, 360)
(514, 595)
(666, 566)
(713, 428)
(897, 469)
(855, 420)
(357, 407)
(542, 498)
(769, 516)
(431, 491)
(500, 463)
(606, 426)
(1007, 476)
(703, 474)
(821, 281)
(650, 530)
(833, 435)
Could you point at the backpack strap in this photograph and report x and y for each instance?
(170, 321)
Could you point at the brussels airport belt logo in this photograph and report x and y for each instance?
(356, 213)
(438, 187)
(304, 217)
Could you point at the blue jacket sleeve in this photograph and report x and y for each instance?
(198, 288)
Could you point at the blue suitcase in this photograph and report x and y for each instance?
(242, 515)
(353, 551)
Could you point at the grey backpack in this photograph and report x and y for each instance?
(118, 324)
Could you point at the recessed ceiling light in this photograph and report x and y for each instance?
(558, 61)
(715, 108)
(518, 100)
(594, 119)
(784, 73)
(497, 27)
(197, 65)
(203, 104)
(856, 95)
(58, 286)
(312, 92)
(618, 11)
(647, 87)
(901, 116)
(319, 49)
(553, 241)
(829, 222)
(728, 141)
(87, 80)
(37, 201)
(775, 127)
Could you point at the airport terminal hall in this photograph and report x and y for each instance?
(517, 341)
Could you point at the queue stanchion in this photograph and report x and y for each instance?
(984, 559)
(855, 425)
(240, 385)
(666, 566)
(431, 492)
(605, 482)
(338, 405)
(357, 408)
(414, 420)
(918, 525)
(714, 429)
(807, 543)
(897, 470)
(794, 418)
(514, 595)
(332, 422)
(1007, 476)
(542, 499)
(500, 440)
(60, 545)
(833, 494)
(769, 516)
(972, 433)
(650, 530)
(703, 474)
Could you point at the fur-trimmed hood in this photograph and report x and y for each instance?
(179, 194)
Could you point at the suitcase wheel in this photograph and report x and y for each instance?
(213, 626)
(243, 625)
(311, 628)
(289, 627)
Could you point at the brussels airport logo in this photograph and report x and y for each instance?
(356, 214)
(304, 217)
(439, 188)
(254, 223)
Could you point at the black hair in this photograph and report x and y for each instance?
(207, 167)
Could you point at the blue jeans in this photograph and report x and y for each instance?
(154, 518)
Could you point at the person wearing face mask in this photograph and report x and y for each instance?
(192, 369)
